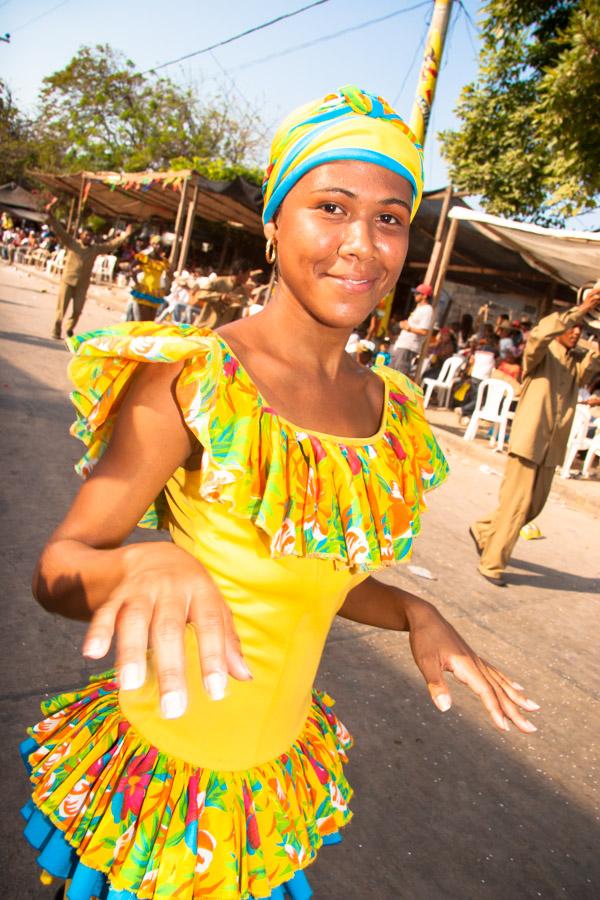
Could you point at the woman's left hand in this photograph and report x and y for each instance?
(438, 648)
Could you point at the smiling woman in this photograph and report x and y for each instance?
(206, 765)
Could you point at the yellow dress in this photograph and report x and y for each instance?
(234, 799)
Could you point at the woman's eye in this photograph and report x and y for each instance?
(389, 219)
(331, 208)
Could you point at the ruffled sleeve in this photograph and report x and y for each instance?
(357, 502)
(101, 371)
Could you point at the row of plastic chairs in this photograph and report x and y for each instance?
(493, 407)
(102, 271)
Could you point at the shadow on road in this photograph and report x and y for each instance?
(47, 343)
(444, 808)
(551, 579)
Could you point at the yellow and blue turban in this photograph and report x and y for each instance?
(348, 125)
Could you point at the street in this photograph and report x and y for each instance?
(446, 807)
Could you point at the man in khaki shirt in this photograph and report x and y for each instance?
(552, 374)
(77, 271)
(226, 298)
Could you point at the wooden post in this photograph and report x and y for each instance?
(439, 237)
(428, 76)
(79, 207)
(437, 289)
(548, 300)
(187, 234)
(71, 211)
(178, 223)
(224, 249)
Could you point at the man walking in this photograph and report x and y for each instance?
(414, 329)
(77, 271)
(552, 374)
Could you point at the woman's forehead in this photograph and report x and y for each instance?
(362, 179)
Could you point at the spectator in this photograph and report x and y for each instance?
(444, 347)
(413, 331)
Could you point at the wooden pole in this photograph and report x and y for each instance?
(439, 237)
(79, 207)
(178, 223)
(71, 211)
(187, 234)
(437, 288)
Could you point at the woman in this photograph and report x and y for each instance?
(215, 770)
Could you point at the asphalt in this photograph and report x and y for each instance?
(445, 806)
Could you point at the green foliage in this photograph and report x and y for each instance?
(99, 113)
(529, 138)
(217, 169)
(17, 148)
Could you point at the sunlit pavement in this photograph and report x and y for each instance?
(445, 806)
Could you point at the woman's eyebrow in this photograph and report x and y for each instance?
(389, 201)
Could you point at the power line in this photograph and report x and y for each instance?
(330, 37)
(236, 37)
(41, 16)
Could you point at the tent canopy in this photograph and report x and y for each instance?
(476, 260)
(19, 203)
(570, 257)
(143, 195)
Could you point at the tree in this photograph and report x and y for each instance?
(100, 113)
(529, 135)
(17, 147)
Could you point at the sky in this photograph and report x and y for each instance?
(271, 70)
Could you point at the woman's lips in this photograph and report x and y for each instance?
(354, 285)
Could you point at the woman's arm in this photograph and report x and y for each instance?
(437, 648)
(142, 593)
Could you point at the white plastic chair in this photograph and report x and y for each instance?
(494, 398)
(578, 438)
(56, 263)
(445, 380)
(593, 450)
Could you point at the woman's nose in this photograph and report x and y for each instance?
(357, 240)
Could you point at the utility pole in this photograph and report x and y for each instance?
(419, 120)
(432, 58)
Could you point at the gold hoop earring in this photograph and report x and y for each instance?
(271, 251)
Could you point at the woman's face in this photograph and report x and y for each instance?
(342, 237)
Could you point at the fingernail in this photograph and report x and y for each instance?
(529, 726)
(443, 702)
(215, 684)
(245, 669)
(172, 704)
(517, 686)
(131, 677)
(93, 648)
(531, 704)
(505, 724)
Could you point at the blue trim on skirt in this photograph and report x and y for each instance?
(60, 859)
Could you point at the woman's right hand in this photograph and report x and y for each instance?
(162, 589)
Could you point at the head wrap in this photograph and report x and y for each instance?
(348, 125)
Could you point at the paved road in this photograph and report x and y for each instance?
(445, 807)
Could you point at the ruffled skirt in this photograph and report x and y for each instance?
(121, 820)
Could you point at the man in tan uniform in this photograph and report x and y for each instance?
(77, 271)
(226, 298)
(538, 441)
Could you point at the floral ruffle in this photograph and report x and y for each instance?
(159, 827)
(357, 502)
